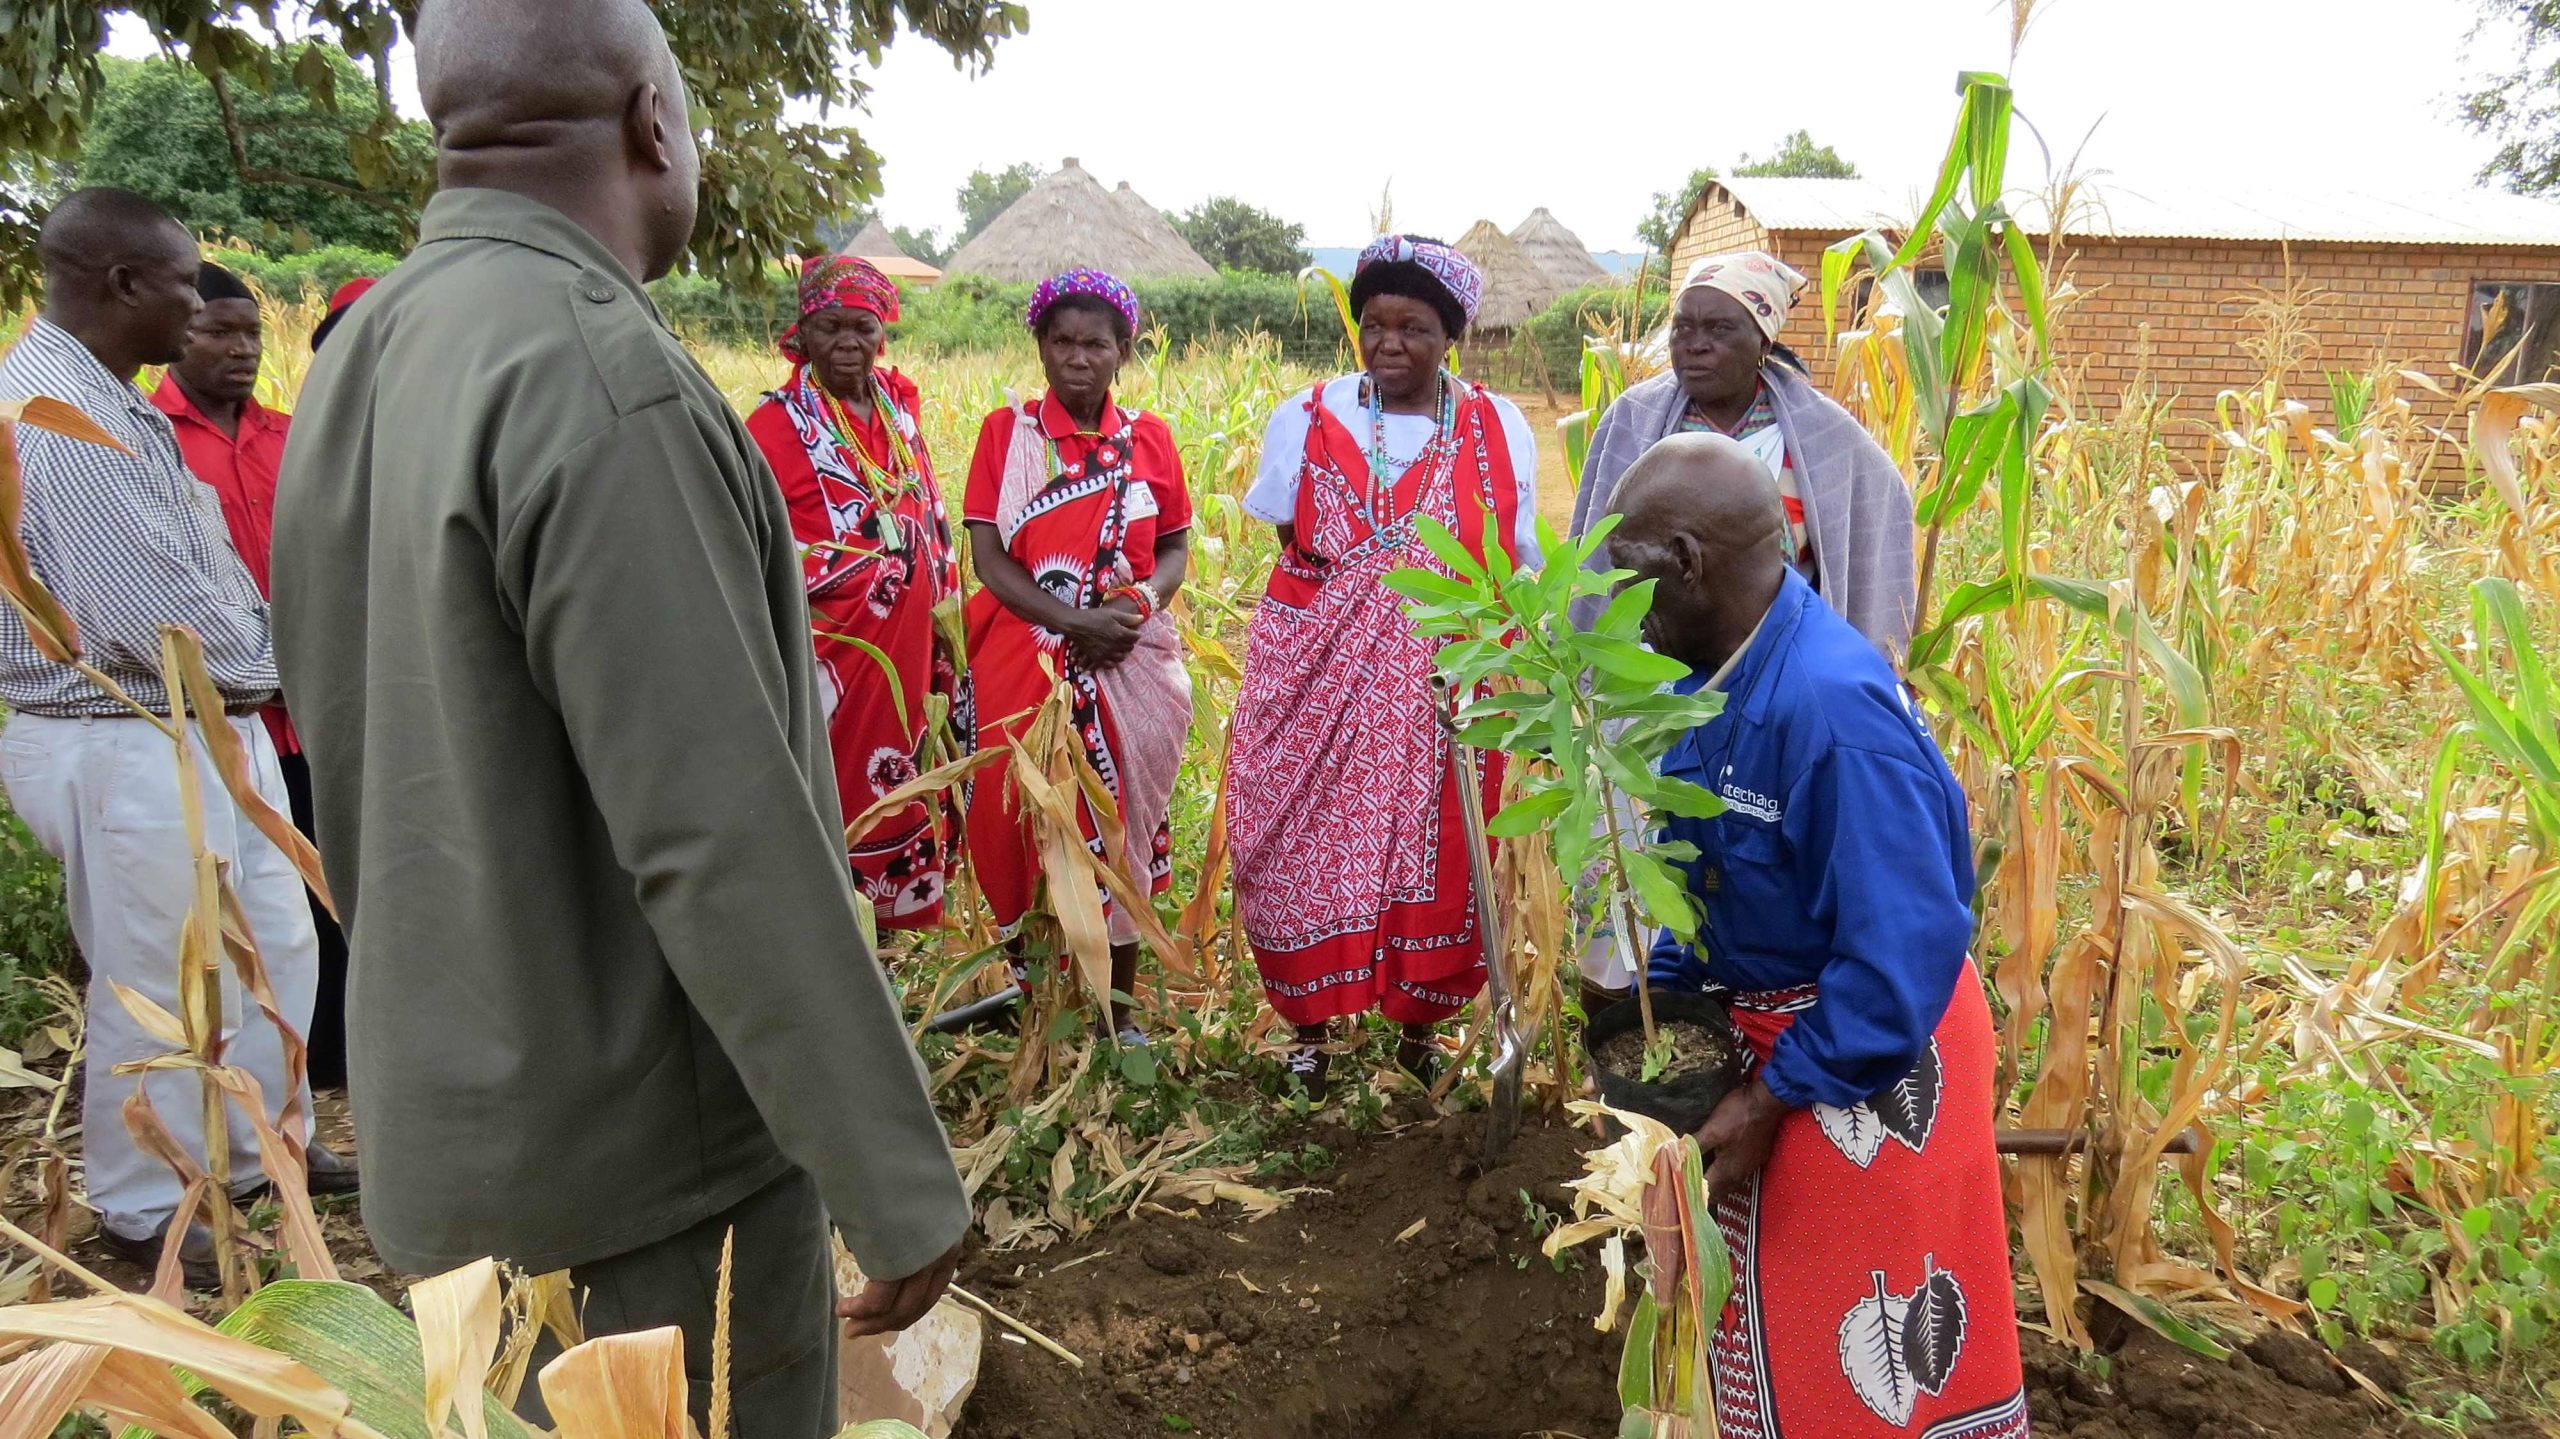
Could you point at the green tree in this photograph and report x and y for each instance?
(1798, 156)
(159, 129)
(1671, 209)
(985, 195)
(2519, 106)
(1233, 235)
(768, 179)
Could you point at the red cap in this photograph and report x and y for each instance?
(346, 295)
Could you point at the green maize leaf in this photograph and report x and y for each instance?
(1989, 104)
(2027, 400)
(2086, 596)
(2498, 599)
(1974, 439)
(1528, 815)
(1635, 1362)
(2159, 1319)
(1968, 600)
(1635, 1424)
(883, 1429)
(1575, 432)
(1836, 260)
(358, 1344)
(2030, 277)
(1950, 174)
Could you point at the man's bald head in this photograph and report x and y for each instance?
(120, 274)
(1701, 516)
(576, 103)
(501, 72)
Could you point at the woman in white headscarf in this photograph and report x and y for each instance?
(1848, 507)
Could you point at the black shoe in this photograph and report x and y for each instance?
(1420, 1058)
(195, 1256)
(331, 1172)
(1307, 1063)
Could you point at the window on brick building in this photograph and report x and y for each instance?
(2515, 328)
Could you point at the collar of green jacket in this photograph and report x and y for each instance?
(485, 214)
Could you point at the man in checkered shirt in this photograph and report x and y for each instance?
(130, 542)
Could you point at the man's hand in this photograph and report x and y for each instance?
(887, 1306)
(1740, 1132)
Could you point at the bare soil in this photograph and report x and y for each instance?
(1695, 1049)
(1404, 1295)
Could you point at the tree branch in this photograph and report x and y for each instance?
(234, 131)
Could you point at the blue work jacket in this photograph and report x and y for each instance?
(1842, 858)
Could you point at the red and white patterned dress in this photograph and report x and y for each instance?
(863, 592)
(1351, 872)
(1081, 511)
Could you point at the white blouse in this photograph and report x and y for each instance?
(1274, 496)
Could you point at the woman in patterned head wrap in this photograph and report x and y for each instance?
(1079, 529)
(844, 439)
(1848, 508)
(1350, 856)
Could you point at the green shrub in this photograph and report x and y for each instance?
(1603, 307)
(35, 930)
(320, 272)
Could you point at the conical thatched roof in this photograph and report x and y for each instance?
(1558, 252)
(1067, 220)
(1514, 287)
(877, 245)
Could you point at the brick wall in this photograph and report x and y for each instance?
(2187, 305)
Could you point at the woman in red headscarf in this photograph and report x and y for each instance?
(844, 437)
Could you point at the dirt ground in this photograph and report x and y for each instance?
(1404, 1295)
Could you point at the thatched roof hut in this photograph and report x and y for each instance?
(1068, 219)
(1558, 252)
(877, 245)
(1514, 287)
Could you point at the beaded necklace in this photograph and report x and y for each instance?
(1384, 470)
(885, 486)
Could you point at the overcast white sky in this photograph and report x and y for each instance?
(1486, 108)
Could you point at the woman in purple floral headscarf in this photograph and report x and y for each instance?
(1080, 530)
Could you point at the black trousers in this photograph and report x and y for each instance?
(327, 1040)
(782, 1330)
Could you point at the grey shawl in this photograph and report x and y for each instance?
(1856, 503)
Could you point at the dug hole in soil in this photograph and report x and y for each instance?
(1319, 1320)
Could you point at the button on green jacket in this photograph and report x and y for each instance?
(540, 615)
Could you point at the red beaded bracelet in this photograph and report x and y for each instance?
(1141, 596)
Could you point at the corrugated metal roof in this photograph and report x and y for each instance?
(2127, 209)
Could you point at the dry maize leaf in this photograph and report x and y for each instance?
(48, 623)
(931, 782)
(231, 761)
(1665, 1250)
(142, 1392)
(261, 1382)
(2494, 425)
(620, 1386)
(288, 1174)
(37, 1389)
(157, 1022)
(1613, 1263)
(457, 1313)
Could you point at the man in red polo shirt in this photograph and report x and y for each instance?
(235, 444)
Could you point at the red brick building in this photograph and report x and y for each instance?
(2173, 288)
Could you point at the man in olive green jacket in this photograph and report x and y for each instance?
(541, 618)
